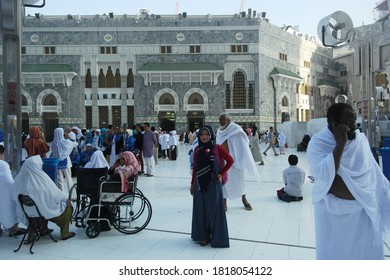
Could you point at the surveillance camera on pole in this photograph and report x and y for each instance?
(337, 29)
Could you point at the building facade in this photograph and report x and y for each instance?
(175, 72)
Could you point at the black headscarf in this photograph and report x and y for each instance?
(205, 159)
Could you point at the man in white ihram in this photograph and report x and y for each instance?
(351, 197)
(233, 138)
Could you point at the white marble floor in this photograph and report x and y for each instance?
(273, 230)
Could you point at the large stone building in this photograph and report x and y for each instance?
(173, 71)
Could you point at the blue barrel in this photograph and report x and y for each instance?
(385, 152)
(386, 142)
(50, 166)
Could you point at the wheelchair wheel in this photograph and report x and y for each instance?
(138, 191)
(131, 213)
(74, 200)
(93, 230)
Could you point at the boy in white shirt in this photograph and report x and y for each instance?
(293, 178)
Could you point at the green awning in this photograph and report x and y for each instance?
(284, 72)
(45, 74)
(44, 68)
(182, 67)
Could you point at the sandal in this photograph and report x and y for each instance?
(20, 231)
(248, 207)
(204, 242)
(71, 234)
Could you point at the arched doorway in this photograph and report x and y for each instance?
(195, 103)
(195, 118)
(167, 118)
(50, 119)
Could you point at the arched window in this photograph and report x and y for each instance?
(50, 100)
(166, 99)
(284, 101)
(130, 79)
(110, 83)
(117, 79)
(102, 79)
(239, 91)
(88, 79)
(195, 98)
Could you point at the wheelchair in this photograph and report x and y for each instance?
(98, 201)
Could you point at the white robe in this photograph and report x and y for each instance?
(243, 161)
(34, 182)
(164, 141)
(61, 148)
(97, 161)
(348, 229)
(8, 215)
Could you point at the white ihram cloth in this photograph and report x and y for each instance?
(243, 161)
(8, 217)
(348, 229)
(34, 182)
(97, 161)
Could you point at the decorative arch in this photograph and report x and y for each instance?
(199, 107)
(240, 70)
(162, 107)
(240, 89)
(28, 107)
(41, 108)
(247, 67)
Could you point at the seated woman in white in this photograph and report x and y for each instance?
(51, 201)
(97, 160)
(8, 217)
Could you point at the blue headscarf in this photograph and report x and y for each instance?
(103, 135)
(89, 138)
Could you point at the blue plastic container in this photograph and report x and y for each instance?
(50, 166)
(386, 142)
(385, 152)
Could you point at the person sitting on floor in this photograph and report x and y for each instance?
(52, 203)
(97, 160)
(293, 178)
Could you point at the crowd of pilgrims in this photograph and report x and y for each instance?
(121, 150)
(79, 145)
